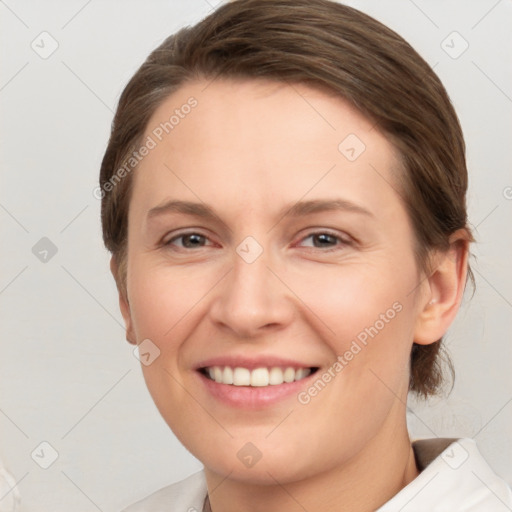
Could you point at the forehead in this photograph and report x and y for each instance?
(262, 107)
(263, 140)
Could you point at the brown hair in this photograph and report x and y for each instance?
(329, 46)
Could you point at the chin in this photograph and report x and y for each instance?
(266, 465)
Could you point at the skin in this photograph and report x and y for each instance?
(249, 149)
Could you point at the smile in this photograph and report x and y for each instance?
(258, 377)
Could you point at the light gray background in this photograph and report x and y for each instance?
(67, 375)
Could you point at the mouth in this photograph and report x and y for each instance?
(256, 377)
(254, 383)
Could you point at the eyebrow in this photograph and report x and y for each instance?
(302, 208)
(298, 209)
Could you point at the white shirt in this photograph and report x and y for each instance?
(454, 477)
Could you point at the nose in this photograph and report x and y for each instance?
(252, 299)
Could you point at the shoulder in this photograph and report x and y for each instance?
(187, 495)
(454, 477)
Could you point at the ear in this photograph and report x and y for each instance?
(124, 305)
(444, 290)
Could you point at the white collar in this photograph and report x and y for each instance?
(454, 478)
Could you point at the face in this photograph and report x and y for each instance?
(268, 246)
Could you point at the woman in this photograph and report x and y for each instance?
(284, 200)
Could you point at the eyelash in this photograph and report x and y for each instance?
(343, 242)
(182, 235)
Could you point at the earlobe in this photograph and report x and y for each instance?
(124, 304)
(444, 290)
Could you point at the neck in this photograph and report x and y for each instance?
(379, 471)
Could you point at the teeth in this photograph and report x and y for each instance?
(259, 377)
(289, 375)
(301, 373)
(217, 374)
(276, 376)
(227, 375)
(241, 377)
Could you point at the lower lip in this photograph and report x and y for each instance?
(249, 397)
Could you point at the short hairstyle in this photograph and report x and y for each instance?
(334, 48)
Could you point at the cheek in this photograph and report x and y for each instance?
(358, 303)
(162, 299)
(164, 304)
(367, 381)
(167, 304)
(339, 307)
(367, 320)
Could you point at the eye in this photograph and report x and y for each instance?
(188, 241)
(325, 240)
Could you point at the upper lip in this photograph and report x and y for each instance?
(253, 362)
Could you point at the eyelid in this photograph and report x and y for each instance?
(327, 231)
(344, 239)
(180, 234)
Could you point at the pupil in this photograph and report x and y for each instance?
(325, 238)
(194, 239)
